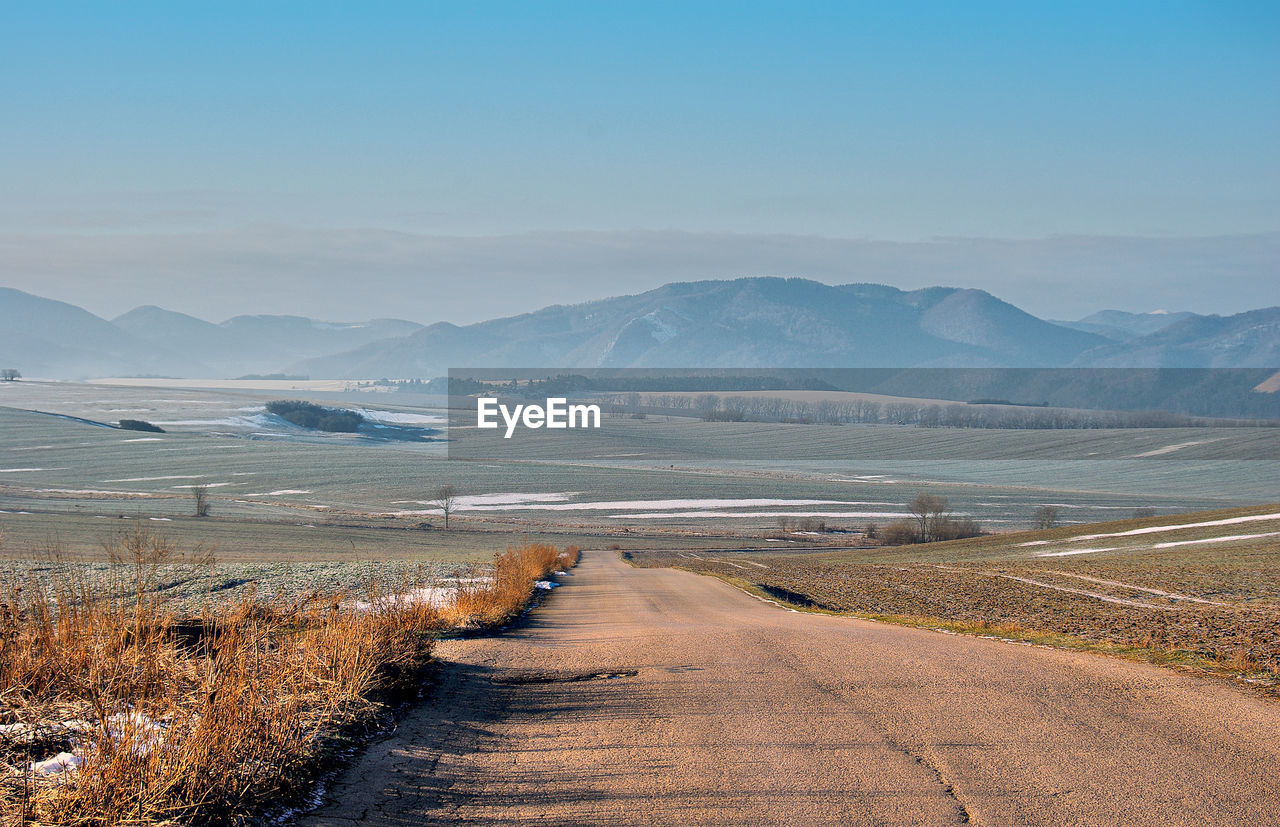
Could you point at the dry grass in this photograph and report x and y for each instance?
(501, 595)
(168, 720)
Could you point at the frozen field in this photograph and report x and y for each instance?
(63, 477)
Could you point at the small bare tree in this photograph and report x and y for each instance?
(200, 494)
(10, 374)
(444, 499)
(1046, 516)
(928, 509)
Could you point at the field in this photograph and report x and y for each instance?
(294, 511)
(260, 468)
(1199, 589)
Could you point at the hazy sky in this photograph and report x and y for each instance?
(465, 159)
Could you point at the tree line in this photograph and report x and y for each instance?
(715, 408)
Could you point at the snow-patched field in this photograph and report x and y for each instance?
(697, 507)
(1161, 529)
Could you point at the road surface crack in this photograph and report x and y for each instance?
(962, 812)
(565, 677)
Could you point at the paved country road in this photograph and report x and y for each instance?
(653, 696)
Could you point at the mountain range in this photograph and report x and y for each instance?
(749, 322)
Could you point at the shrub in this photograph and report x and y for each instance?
(316, 417)
(900, 533)
(140, 425)
(952, 528)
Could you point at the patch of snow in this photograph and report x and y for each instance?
(665, 505)
(657, 515)
(397, 418)
(427, 595)
(1162, 528)
(873, 479)
(546, 585)
(279, 493)
(21, 470)
(91, 491)
(145, 439)
(1217, 539)
(63, 762)
(658, 329)
(504, 499)
(1169, 449)
(1077, 551)
(207, 485)
(161, 519)
(151, 479)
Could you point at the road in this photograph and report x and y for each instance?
(653, 696)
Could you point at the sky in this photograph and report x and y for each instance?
(463, 160)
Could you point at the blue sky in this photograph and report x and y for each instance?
(131, 126)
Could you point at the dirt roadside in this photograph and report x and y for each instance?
(652, 696)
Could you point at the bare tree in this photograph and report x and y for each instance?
(200, 493)
(1046, 516)
(444, 499)
(10, 374)
(928, 509)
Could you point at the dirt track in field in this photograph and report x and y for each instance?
(653, 696)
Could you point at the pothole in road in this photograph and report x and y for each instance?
(567, 677)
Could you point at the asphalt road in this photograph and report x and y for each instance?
(652, 696)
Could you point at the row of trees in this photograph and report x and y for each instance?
(714, 408)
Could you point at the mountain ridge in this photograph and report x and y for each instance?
(745, 322)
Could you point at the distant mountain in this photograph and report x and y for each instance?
(750, 322)
(253, 344)
(1122, 326)
(43, 337)
(1245, 340)
(47, 338)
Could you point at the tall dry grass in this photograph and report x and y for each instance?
(162, 719)
(500, 595)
